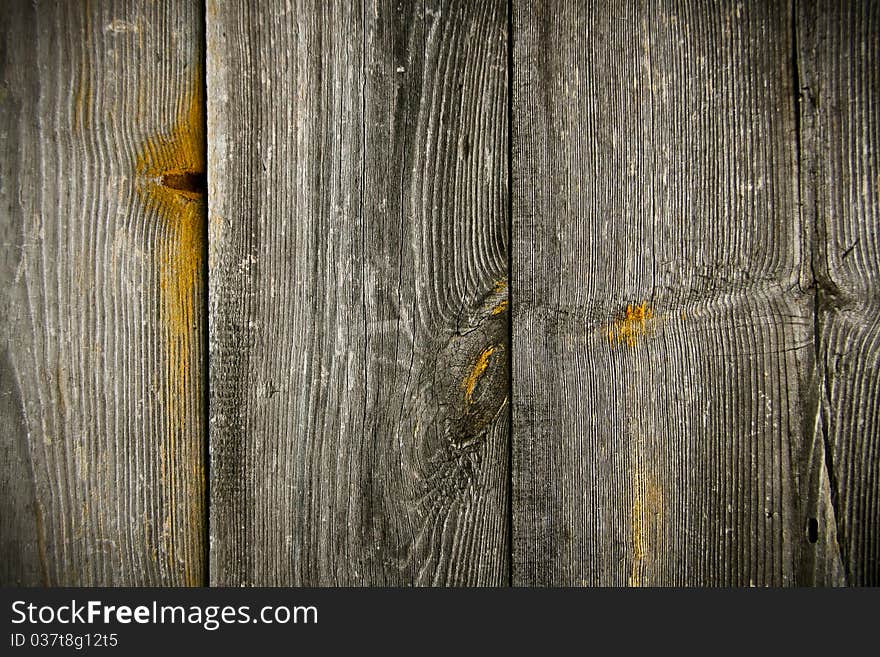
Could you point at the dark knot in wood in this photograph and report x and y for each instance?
(191, 183)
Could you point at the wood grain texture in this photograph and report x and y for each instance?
(358, 315)
(663, 347)
(101, 453)
(839, 67)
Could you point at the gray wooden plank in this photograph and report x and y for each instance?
(101, 382)
(663, 350)
(838, 56)
(358, 317)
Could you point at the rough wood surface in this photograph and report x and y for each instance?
(839, 74)
(101, 224)
(695, 288)
(663, 342)
(358, 313)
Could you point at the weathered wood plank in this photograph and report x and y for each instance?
(839, 66)
(655, 162)
(101, 453)
(357, 230)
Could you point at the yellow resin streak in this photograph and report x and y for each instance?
(164, 160)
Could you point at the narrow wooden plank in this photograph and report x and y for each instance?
(662, 323)
(101, 453)
(839, 65)
(358, 315)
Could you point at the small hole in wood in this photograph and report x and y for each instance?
(190, 182)
(812, 530)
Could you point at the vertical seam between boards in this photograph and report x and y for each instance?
(820, 285)
(510, 305)
(206, 331)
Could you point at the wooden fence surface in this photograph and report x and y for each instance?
(102, 392)
(440, 293)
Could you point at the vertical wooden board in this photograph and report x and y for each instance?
(101, 453)
(358, 300)
(662, 325)
(839, 65)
